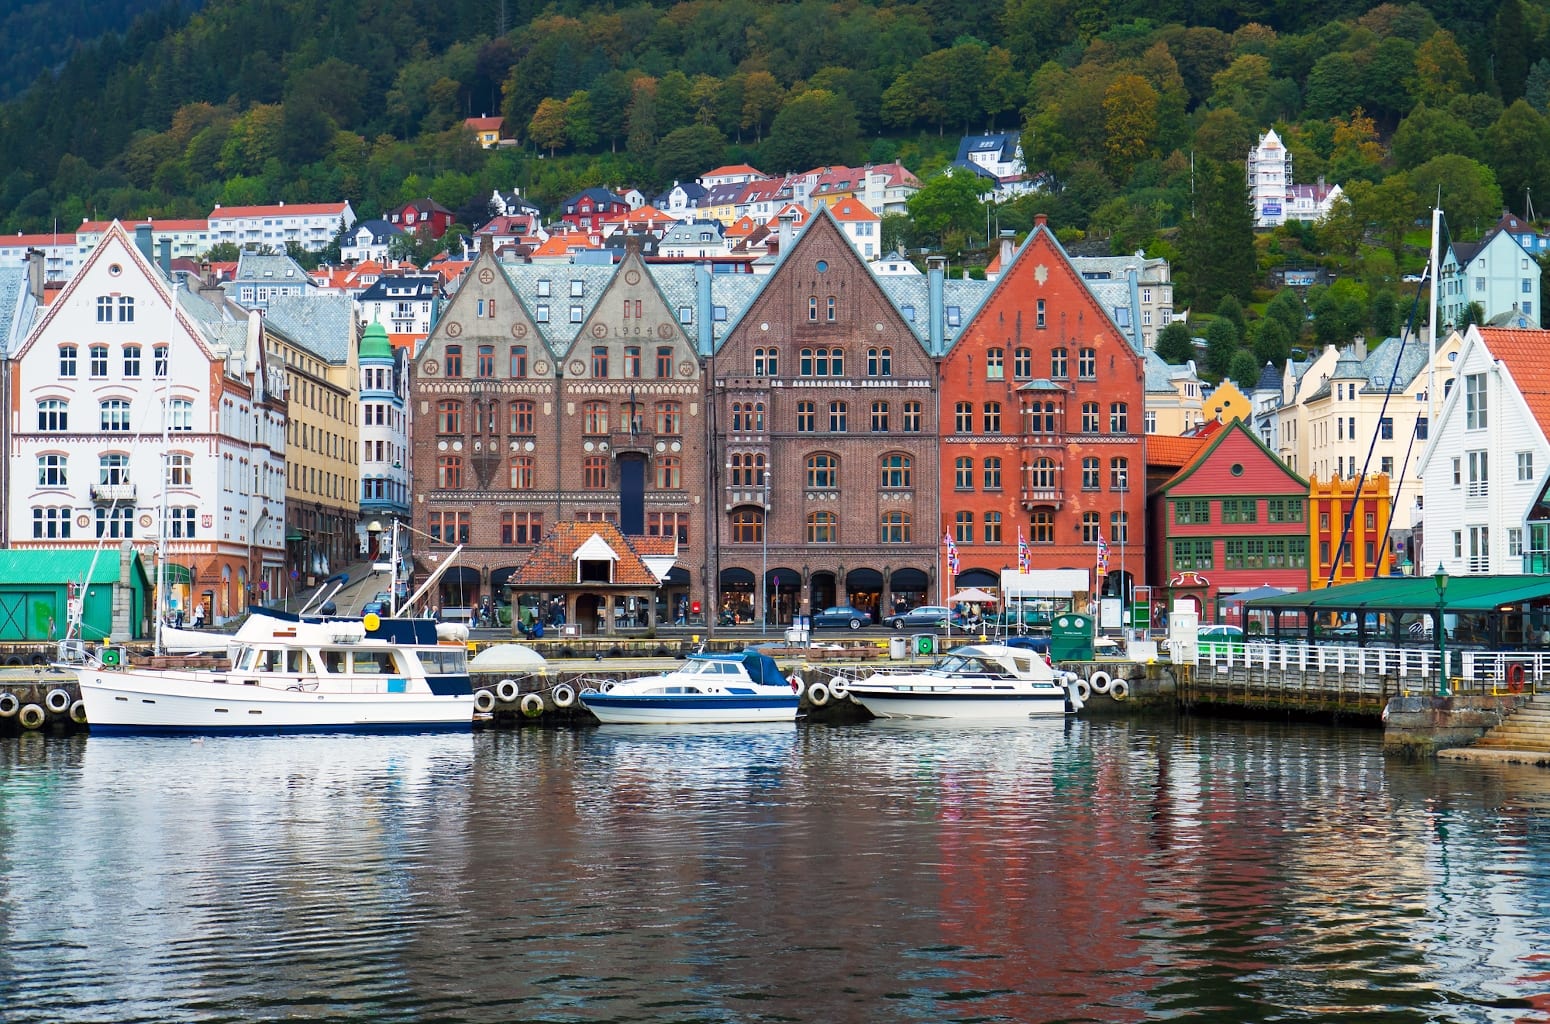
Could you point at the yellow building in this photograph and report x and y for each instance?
(1356, 528)
(316, 339)
(1175, 397)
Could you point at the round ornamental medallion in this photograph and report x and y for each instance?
(486, 275)
(686, 369)
(599, 330)
(431, 366)
(454, 329)
(664, 331)
(541, 368)
(146, 521)
(577, 367)
(83, 521)
(632, 277)
(519, 330)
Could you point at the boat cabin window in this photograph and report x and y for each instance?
(267, 661)
(374, 663)
(333, 661)
(297, 663)
(1022, 665)
(449, 662)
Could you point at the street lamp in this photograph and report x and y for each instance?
(764, 561)
(1440, 580)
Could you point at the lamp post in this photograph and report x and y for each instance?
(764, 561)
(1440, 580)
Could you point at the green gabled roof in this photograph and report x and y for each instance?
(65, 565)
(1415, 593)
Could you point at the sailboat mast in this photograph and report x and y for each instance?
(1431, 319)
(162, 602)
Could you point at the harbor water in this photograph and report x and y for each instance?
(1110, 871)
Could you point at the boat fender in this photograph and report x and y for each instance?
(14, 661)
(32, 716)
(563, 695)
(607, 686)
(839, 689)
(9, 705)
(532, 705)
(78, 712)
(506, 691)
(1119, 689)
(1080, 690)
(57, 701)
(1515, 677)
(818, 695)
(484, 702)
(797, 684)
(1099, 681)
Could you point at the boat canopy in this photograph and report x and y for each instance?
(761, 667)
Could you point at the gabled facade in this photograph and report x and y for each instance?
(999, 156)
(1270, 180)
(402, 303)
(419, 215)
(1232, 520)
(824, 424)
(1496, 273)
(588, 209)
(863, 227)
(693, 238)
(261, 277)
(1487, 460)
(1041, 427)
(487, 130)
(1350, 528)
(128, 397)
(368, 240)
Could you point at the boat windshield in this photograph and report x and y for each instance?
(447, 661)
(709, 668)
(958, 665)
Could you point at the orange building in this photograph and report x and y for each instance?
(1041, 427)
(1357, 529)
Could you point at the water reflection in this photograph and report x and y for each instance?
(891, 871)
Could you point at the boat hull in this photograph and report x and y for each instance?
(656, 709)
(145, 702)
(961, 705)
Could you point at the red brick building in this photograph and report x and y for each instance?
(1234, 519)
(824, 425)
(558, 393)
(1041, 410)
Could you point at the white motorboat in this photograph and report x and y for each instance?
(711, 689)
(292, 673)
(980, 681)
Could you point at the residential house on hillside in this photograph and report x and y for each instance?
(422, 216)
(693, 238)
(513, 204)
(889, 188)
(861, 226)
(368, 240)
(487, 130)
(261, 277)
(1495, 273)
(147, 412)
(588, 209)
(517, 229)
(174, 239)
(1274, 196)
(681, 200)
(1041, 401)
(1534, 241)
(1232, 520)
(1175, 397)
(719, 203)
(730, 174)
(998, 157)
(59, 259)
(309, 225)
(402, 303)
(1488, 459)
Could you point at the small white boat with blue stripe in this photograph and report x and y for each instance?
(292, 673)
(979, 681)
(710, 689)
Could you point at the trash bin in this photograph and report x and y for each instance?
(898, 648)
(925, 643)
(1071, 637)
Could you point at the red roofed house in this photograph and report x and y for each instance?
(1233, 519)
(604, 580)
(487, 130)
(863, 227)
(420, 215)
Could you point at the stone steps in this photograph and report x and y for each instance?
(1528, 729)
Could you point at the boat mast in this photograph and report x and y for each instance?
(162, 603)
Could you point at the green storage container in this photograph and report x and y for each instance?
(1071, 637)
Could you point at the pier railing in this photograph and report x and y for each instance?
(1358, 680)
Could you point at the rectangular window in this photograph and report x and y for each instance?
(1475, 405)
(912, 415)
(1386, 428)
(1191, 512)
(1240, 510)
(1283, 510)
(521, 528)
(1479, 474)
(1526, 466)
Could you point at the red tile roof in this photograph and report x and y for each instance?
(1170, 451)
(287, 210)
(1523, 353)
(553, 564)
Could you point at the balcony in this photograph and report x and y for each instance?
(112, 492)
(1042, 497)
(623, 442)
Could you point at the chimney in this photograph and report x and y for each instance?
(786, 220)
(35, 273)
(166, 256)
(1040, 220)
(487, 244)
(706, 312)
(1008, 248)
(936, 272)
(143, 242)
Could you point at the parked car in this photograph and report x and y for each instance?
(933, 616)
(843, 615)
(1219, 638)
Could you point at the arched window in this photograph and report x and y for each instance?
(1022, 364)
(995, 364)
(1091, 473)
(1119, 474)
(449, 417)
(1042, 474)
(1041, 527)
(963, 418)
(963, 527)
(53, 415)
(747, 525)
(1090, 417)
(52, 471)
(992, 527)
(896, 472)
(812, 309)
(879, 362)
(992, 417)
(98, 355)
(132, 360)
(895, 528)
(1091, 528)
(114, 416)
(823, 528)
(823, 471)
(833, 309)
(1119, 418)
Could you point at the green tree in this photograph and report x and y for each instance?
(1221, 346)
(1390, 207)
(1471, 199)
(1536, 88)
(1427, 131)
(1175, 346)
(811, 130)
(1385, 317)
(1441, 68)
(762, 99)
(1334, 86)
(1217, 243)
(1272, 342)
(686, 152)
(1244, 369)
(896, 232)
(1510, 53)
(1519, 148)
(547, 127)
(1130, 124)
(949, 200)
(1287, 307)
(580, 125)
(1231, 309)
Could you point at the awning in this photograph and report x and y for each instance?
(1415, 594)
(977, 578)
(734, 577)
(175, 574)
(908, 579)
(1243, 597)
(863, 579)
(294, 535)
